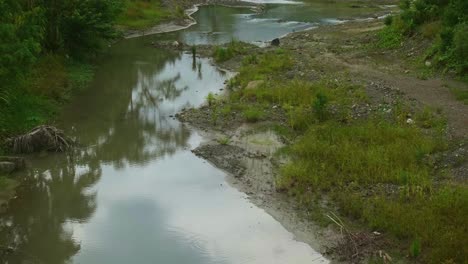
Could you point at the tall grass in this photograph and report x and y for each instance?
(336, 155)
(382, 173)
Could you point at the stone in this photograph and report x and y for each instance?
(275, 42)
(428, 64)
(254, 84)
(175, 44)
(20, 162)
(7, 167)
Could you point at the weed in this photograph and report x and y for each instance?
(428, 118)
(460, 94)
(222, 54)
(415, 248)
(224, 141)
(211, 99)
(320, 106)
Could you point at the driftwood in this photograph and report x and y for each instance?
(41, 138)
(355, 246)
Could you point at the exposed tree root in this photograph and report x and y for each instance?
(41, 138)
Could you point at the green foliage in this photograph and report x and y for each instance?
(431, 30)
(83, 26)
(446, 22)
(35, 73)
(21, 34)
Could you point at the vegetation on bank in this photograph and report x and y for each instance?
(380, 168)
(233, 48)
(46, 50)
(141, 14)
(443, 23)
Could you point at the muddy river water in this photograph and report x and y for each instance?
(133, 192)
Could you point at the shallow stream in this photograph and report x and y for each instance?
(134, 193)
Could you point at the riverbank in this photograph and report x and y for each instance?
(181, 17)
(329, 124)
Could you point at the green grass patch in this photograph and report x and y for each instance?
(432, 226)
(347, 160)
(390, 37)
(460, 94)
(253, 114)
(336, 155)
(225, 53)
(139, 14)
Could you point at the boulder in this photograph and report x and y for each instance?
(20, 163)
(6, 167)
(275, 42)
(175, 44)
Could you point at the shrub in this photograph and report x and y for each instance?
(388, 20)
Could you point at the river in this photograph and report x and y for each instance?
(134, 192)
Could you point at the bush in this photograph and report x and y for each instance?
(460, 49)
(388, 20)
(444, 21)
